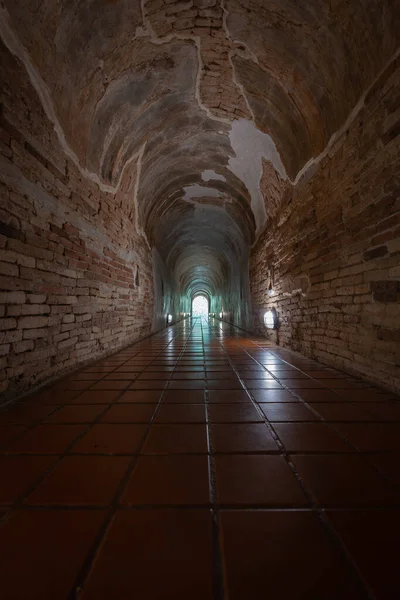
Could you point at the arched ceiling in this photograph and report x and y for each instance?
(199, 95)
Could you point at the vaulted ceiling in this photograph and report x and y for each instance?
(198, 97)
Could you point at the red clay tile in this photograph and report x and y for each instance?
(189, 396)
(310, 437)
(344, 481)
(196, 384)
(10, 432)
(306, 384)
(260, 384)
(185, 375)
(242, 437)
(341, 411)
(282, 555)
(257, 480)
(181, 413)
(26, 413)
(19, 473)
(79, 480)
(43, 551)
(122, 376)
(320, 395)
(287, 411)
(148, 385)
(97, 397)
(176, 439)
(233, 413)
(151, 396)
(228, 396)
(76, 413)
(111, 439)
(111, 384)
(129, 413)
(168, 480)
(388, 464)
(158, 554)
(372, 539)
(46, 439)
(382, 411)
(273, 396)
(371, 437)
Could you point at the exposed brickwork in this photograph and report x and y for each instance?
(335, 248)
(203, 19)
(75, 277)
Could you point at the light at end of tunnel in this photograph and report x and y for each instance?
(169, 318)
(271, 319)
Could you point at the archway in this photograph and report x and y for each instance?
(200, 306)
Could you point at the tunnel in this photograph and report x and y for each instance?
(199, 295)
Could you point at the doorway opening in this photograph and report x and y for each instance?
(200, 307)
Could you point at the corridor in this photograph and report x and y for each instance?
(201, 464)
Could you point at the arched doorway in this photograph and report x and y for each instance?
(200, 306)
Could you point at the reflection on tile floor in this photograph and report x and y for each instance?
(201, 464)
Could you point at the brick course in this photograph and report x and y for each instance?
(334, 245)
(69, 252)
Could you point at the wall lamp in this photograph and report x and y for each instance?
(221, 315)
(169, 318)
(271, 319)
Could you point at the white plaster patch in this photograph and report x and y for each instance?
(200, 191)
(251, 146)
(209, 174)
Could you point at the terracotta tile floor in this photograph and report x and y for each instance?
(201, 464)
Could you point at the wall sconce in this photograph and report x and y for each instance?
(169, 318)
(221, 315)
(271, 319)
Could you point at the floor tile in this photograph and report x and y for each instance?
(341, 411)
(111, 384)
(19, 473)
(261, 548)
(260, 384)
(310, 437)
(344, 481)
(171, 480)
(9, 432)
(96, 397)
(228, 396)
(273, 396)
(42, 552)
(388, 464)
(151, 396)
(79, 480)
(170, 556)
(233, 413)
(129, 413)
(76, 413)
(371, 437)
(111, 439)
(176, 439)
(46, 439)
(287, 411)
(25, 413)
(257, 480)
(183, 396)
(181, 413)
(242, 437)
(372, 539)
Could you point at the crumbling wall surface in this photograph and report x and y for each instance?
(75, 276)
(332, 252)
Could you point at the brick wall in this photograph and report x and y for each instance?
(75, 277)
(332, 250)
